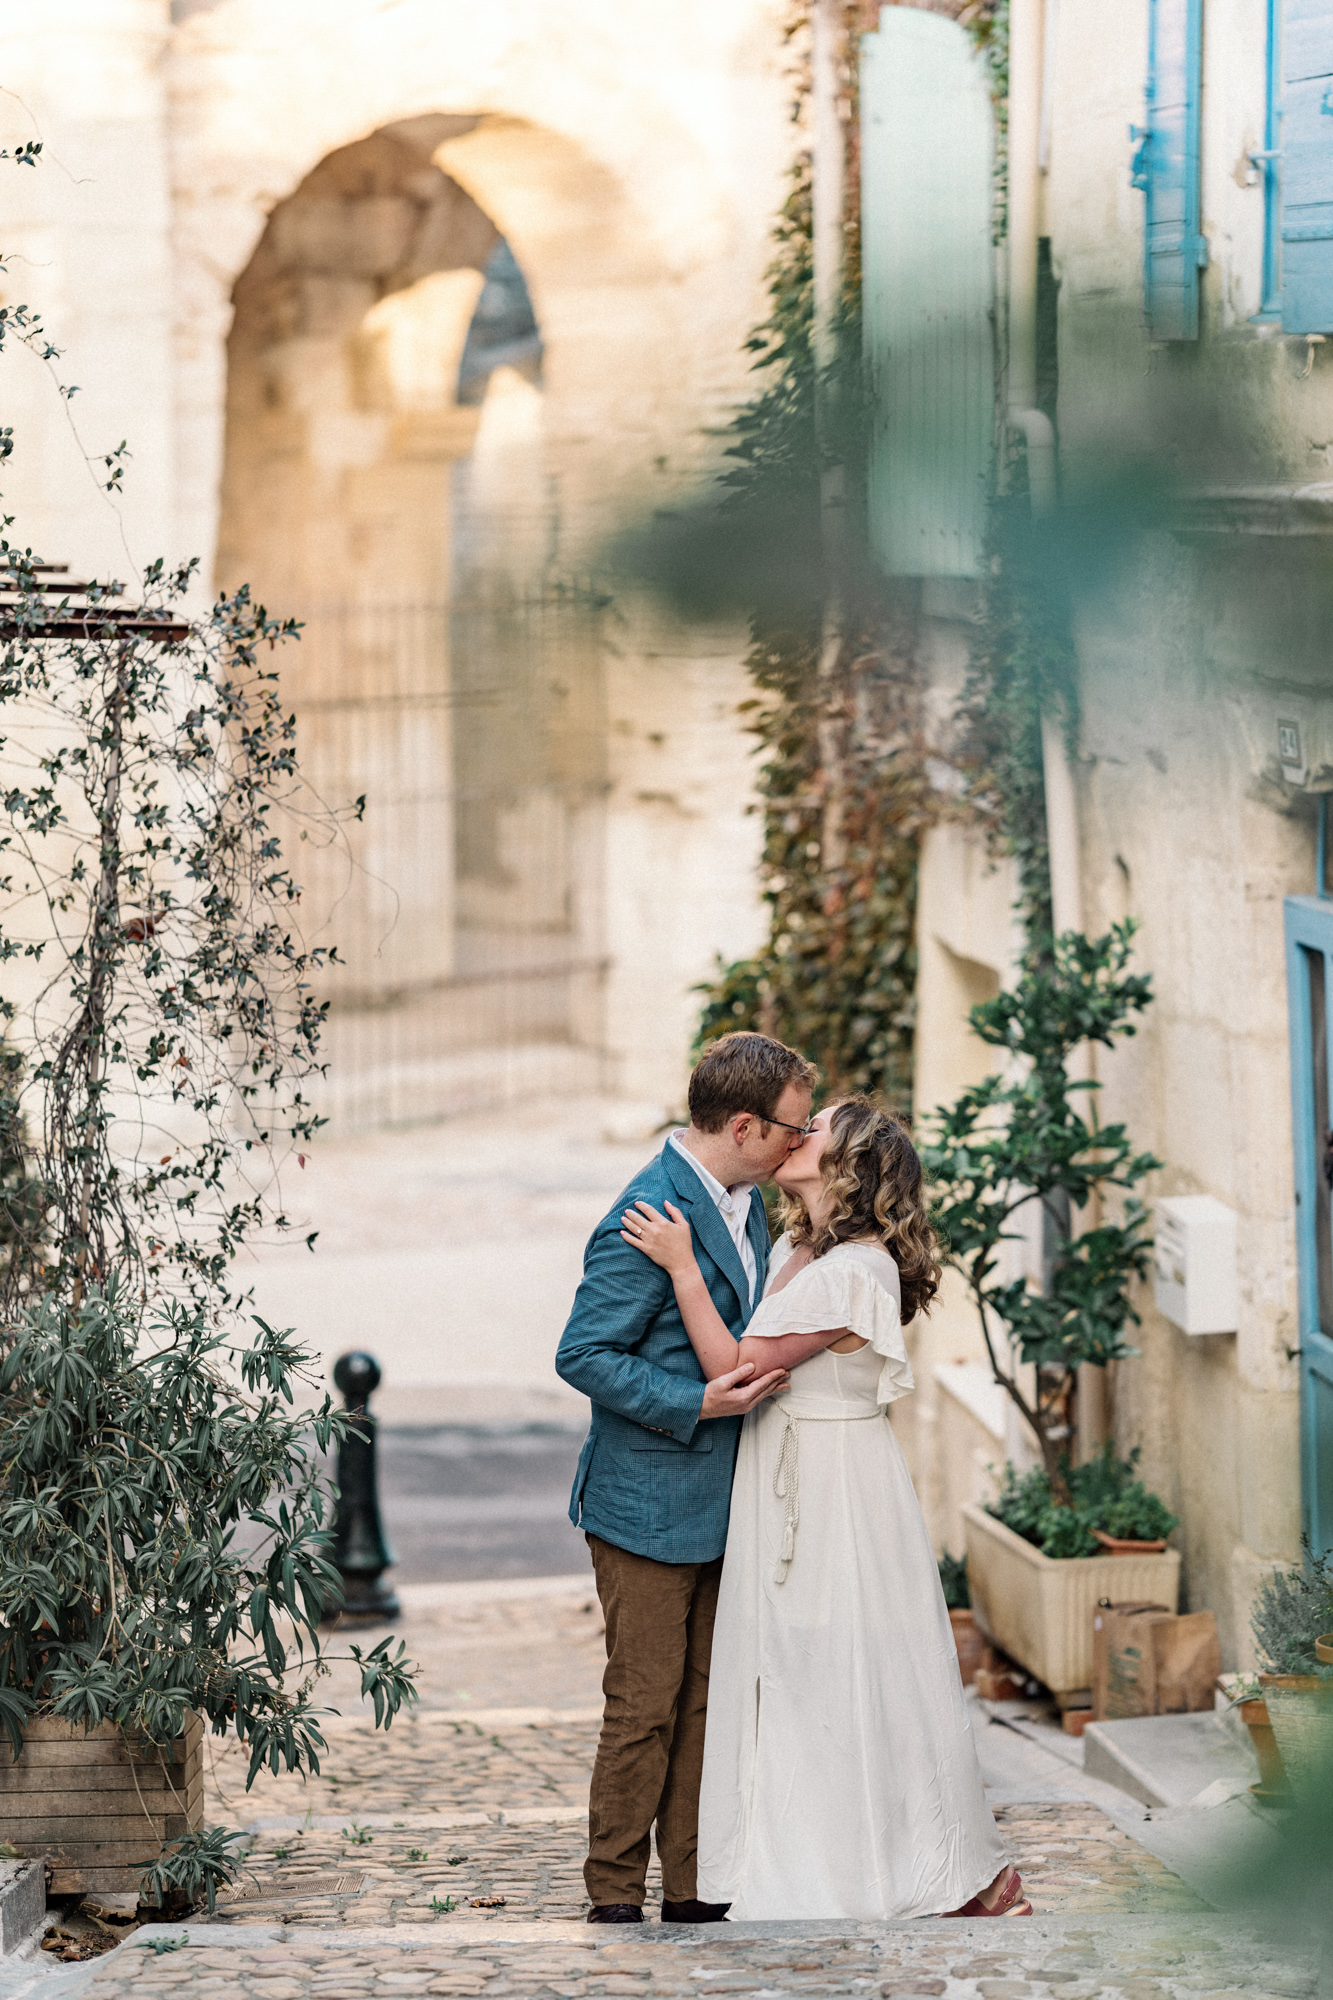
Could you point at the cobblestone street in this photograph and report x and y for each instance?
(446, 1859)
(462, 1814)
(1184, 1958)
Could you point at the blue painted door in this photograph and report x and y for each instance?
(1305, 168)
(1166, 167)
(1310, 1000)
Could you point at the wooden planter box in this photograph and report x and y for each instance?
(98, 1813)
(1038, 1608)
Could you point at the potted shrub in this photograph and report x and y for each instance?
(1026, 1140)
(163, 1532)
(164, 1571)
(1043, 1568)
(1292, 1614)
(163, 1559)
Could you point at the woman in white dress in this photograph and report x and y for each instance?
(840, 1776)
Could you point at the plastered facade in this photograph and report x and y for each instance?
(1197, 624)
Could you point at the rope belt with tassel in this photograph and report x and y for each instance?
(787, 1475)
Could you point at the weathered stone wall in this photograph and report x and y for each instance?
(292, 419)
(1190, 645)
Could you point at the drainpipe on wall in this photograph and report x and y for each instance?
(1031, 33)
(1028, 112)
(1032, 25)
(828, 54)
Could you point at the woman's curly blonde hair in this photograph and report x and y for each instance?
(873, 1176)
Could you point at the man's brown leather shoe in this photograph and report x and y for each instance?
(694, 1913)
(615, 1913)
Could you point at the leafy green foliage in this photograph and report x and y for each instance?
(1104, 1493)
(162, 1518)
(987, 21)
(24, 1197)
(193, 1869)
(1292, 1609)
(1028, 1134)
(165, 1553)
(842, 780)
(144, 853)
(1023, 667)
(953, 1582)
(163, 1547)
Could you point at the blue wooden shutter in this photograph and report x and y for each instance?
(1309, 928)
(927, 266)
(1306, 166)
(1166, 167)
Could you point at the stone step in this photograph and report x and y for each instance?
(1124, 1957)
(1167, 1760)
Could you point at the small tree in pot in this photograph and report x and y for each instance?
(1027, 1139)
(1027, 1136)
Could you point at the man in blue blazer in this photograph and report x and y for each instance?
(653, 1487)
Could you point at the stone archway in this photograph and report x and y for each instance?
(384, 483)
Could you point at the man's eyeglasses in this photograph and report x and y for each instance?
(804, 1130)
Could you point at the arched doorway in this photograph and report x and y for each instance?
(384, 483)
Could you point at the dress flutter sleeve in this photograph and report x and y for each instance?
(840, 1290)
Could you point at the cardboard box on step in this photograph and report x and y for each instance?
(1148, 1661)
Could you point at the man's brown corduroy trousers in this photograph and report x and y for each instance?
(650, 1756)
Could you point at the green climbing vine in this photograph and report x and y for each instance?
(1023, 666)
(843, 788)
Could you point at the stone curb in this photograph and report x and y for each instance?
(22, 1906)
(409, 1822)
(1010, 1935)
(483, 1719)
(497, 1590)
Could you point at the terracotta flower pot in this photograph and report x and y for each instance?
(1115, 1547)
(1323, 1649)
(1272, 1775)
(973, 1646)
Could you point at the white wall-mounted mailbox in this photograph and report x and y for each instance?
(1194, 1251)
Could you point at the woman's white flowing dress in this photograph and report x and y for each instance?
(840, 1776)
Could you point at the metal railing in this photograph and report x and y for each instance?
(466, 902)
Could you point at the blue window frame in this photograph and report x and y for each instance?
(1309, 929)
(1297, 164)
(1269, 164)
(1166, 167)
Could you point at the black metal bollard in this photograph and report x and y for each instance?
(360, 1552)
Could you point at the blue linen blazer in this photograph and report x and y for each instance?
(651, 1478)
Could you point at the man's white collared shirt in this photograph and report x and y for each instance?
(733, 1205)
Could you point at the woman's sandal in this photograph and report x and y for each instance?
(1012, 1902)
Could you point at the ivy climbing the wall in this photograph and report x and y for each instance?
(842, 786)
(1023, 667)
